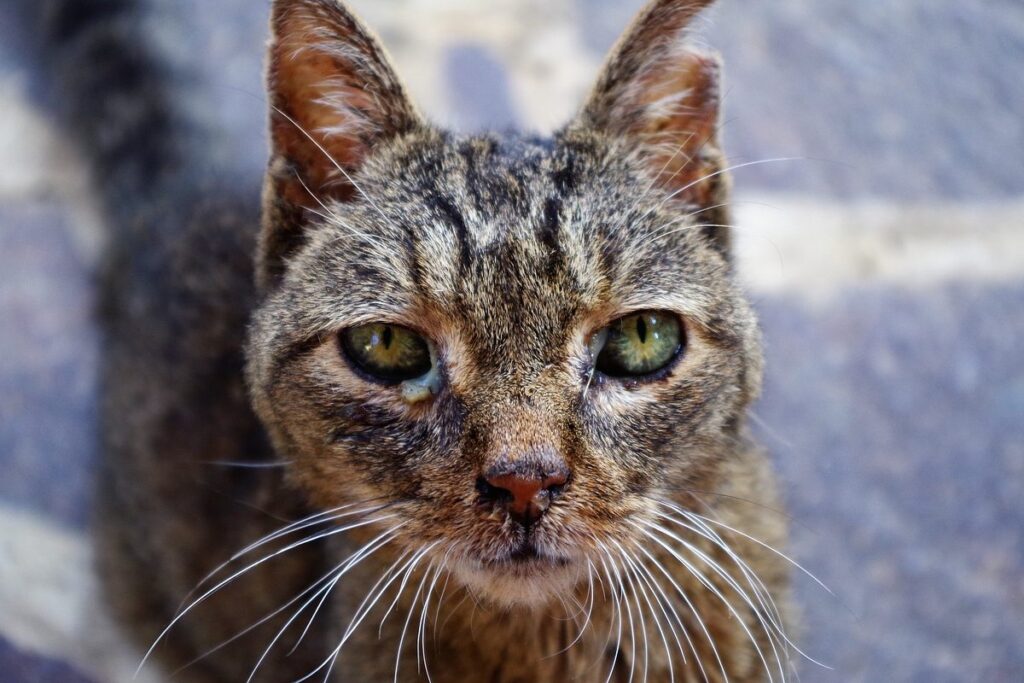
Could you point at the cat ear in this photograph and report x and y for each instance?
(663, 94)
(333, 97)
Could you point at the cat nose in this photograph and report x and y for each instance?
(523, 490)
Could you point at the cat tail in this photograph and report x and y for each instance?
(124, 93)
(111, 95)
(179, 208)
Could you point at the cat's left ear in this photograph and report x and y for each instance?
(334, 99)
(663, 95)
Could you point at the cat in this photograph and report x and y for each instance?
(476, 410)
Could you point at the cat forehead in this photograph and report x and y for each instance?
(488, 227)
(495, 181)
(517, 196)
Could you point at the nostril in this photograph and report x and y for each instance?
(490, 493)
(555, 483)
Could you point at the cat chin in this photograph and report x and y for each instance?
(531, 584)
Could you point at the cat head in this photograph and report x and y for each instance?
(512, 344)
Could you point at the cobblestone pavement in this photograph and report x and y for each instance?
(887, 263)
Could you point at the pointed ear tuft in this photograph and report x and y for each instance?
(333, 97)
(664, 96)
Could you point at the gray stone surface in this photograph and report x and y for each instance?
(896, 418)
(23, 667)
(48, 366)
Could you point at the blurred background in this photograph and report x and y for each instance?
(885, 256)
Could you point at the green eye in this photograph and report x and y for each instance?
(389, 353)
(640, 344)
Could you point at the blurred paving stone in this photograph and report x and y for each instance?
(897, 421)
(48, 409)
(22, 667)
(479, 89)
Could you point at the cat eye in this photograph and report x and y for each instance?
(639, 344)
(385, 352)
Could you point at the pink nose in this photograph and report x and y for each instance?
(526, 494)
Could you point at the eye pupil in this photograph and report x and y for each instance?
(386, 337)
(641, 329)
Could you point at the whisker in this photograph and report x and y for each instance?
(330, 158)
(234, 576)
(696, 615)
(363, 611)
(713, 589)
(421, 645)
(629, 616)
(616, 621)
(728, 169)
(408, 618)
(771, 611)
(666, 605)
(326, 577)
(639, 608)
(655, 179)
(324, 517)
(247, 465)
(757, 585)
(357, 557)
(704, 492)
(768, 547)
(589, 612)
(631, 566)
(440, 600)
(405, 579)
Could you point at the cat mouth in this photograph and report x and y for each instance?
(523, 574)
(526, 555)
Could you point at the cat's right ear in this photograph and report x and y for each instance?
(333, 97)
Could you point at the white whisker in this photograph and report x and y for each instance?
(408, 618)
(250, 567)
(363, 611)
(616, 621)
(696, 615)
(589, 611)
(633, 568)
(771, 610)
(629, 615)
(761, 592)
(368, 549)
(324, 517)
(640, 610)
(723, 171)
(421, 645)
(713, 589)
(325, 578)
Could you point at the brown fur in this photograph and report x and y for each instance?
(507, 252)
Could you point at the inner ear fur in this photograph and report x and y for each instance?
(664, 97)
(333, 98)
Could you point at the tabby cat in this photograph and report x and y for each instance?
(475, 412)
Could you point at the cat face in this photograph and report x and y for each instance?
(506, 347)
